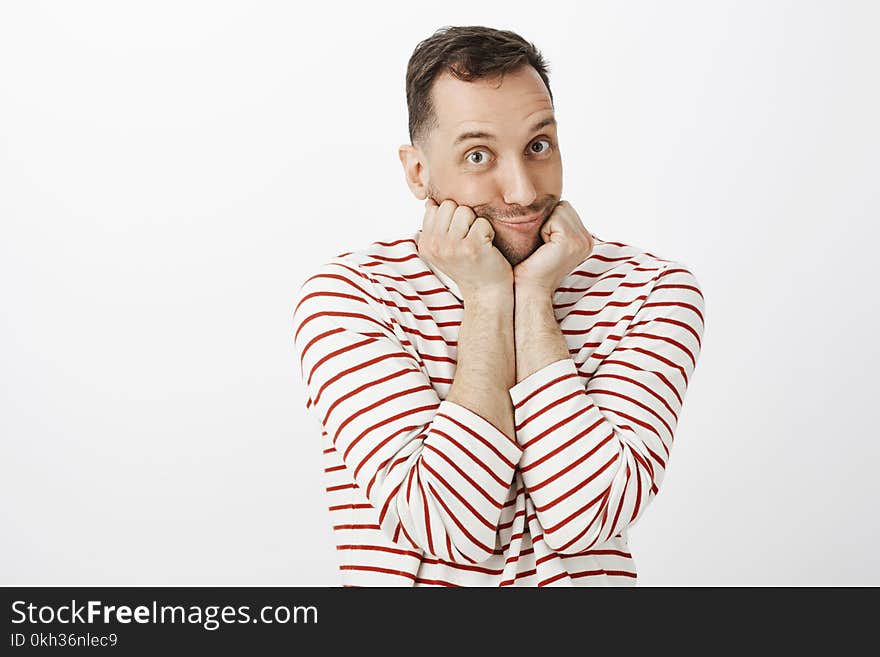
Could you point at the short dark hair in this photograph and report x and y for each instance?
(469, 53)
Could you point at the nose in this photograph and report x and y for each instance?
(516, 185)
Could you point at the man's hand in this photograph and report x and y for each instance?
(566, 244)
(460, 244)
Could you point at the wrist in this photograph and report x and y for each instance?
(532, 291)
(489, 297)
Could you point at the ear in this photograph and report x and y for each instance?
(415, 169)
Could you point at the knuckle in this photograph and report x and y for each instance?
(464, 211)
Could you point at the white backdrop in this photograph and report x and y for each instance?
(170, 173)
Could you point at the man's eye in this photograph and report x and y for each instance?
(544, 150)
(479, 161)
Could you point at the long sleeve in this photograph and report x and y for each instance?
(595, 456)
(437, 473)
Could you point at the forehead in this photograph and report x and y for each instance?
(507, 102)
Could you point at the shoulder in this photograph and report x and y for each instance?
(678, 292)
(659, 280)
(610, 255)
(357, 279)
(615, 253)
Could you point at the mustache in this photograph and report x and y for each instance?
(544, 209)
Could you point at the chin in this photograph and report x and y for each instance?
(517, 251)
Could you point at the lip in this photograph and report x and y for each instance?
(523, 224)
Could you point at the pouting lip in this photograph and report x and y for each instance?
(527, 220)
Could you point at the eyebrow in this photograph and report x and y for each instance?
(477, 134)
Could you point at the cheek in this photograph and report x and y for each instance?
(464, 189)
(473, 192)
(554, 178)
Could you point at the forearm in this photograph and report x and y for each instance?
(595, 452)
(485, 369)
(538, 338)
(428, 467)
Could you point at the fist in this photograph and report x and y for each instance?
(567, 243)
(459, 243)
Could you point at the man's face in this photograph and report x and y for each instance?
(512, 173)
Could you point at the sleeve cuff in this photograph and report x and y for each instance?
(544, 377)
(485, 439)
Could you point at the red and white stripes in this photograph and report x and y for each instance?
(436, 473)
(423, 491)
(594, 456)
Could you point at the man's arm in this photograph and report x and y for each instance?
(595, 457)
(437, 473)
(485, 368)
(538, 339)
(455, 239)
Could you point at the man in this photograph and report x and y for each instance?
(498, 390)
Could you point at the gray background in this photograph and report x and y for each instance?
(171, 172)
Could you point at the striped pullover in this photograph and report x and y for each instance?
(424, 492)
